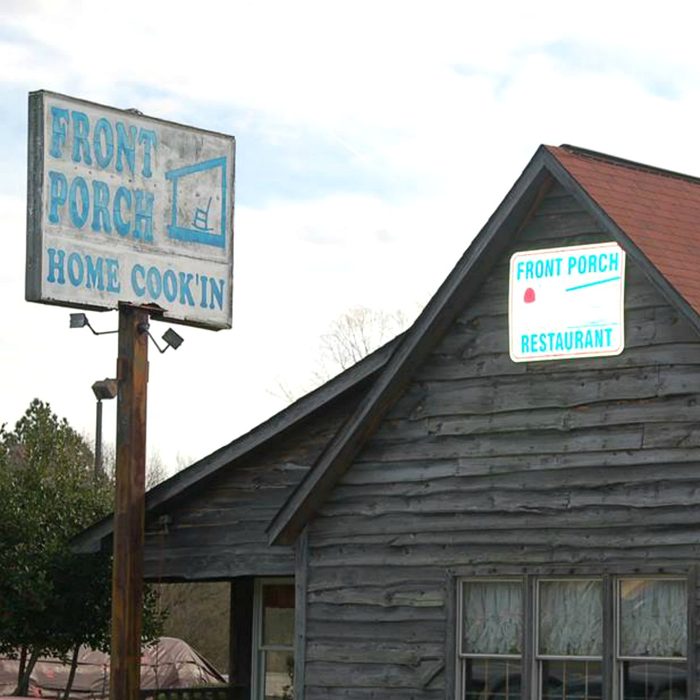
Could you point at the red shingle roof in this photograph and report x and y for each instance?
(657, 209)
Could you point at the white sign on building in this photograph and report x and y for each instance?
(567, 302)
(127, 208)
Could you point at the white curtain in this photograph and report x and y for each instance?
(570, 618)
(492, 617)
(653, 618)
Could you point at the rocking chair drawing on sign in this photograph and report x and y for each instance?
(193, 218)
(201, 218)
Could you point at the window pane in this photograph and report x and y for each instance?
(278, 614)
(492, 617)
(491, 679)
(571, 680)
(571, 618)
(661, 680)
(653, 618)
(279, 675)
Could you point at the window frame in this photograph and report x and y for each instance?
(463, 656)
(260, 650)
(538, 658)
(619, 659)
(609, 577)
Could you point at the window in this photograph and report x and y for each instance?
(273, 640)
(653, 638)
(569, 638)
(565, 643)
(491, 639)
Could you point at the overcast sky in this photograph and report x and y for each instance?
(374, 139)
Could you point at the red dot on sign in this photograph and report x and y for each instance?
(529, 295)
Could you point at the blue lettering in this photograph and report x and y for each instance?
(126, 147)
(143, 216)
(203, 287)
(147, 137)
(81, 129)
(103, 142)
(56, 258)
(217, 292)
(59, 128)
(100, 206)
(154, 283)
(524, 344)
(58, 190)
(78, 217)
(170, 285)
(137, 285)
(113, 284)
(95, 276)
(76, 269)
(122, 225)
(185, 291)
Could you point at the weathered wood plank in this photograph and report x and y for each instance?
(677, 412)
(217, 563)
(496, 556)
(407, 630)
(563, 391)
(374, 652)
(596, 537)
(370, 480)
(384, 675)
(397, 524)
(406, 594)
(637, 496)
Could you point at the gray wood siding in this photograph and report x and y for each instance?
(219, 531)
(485, 463)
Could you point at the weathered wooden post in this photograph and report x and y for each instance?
(129, 506)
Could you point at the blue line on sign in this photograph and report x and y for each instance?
(591, 284)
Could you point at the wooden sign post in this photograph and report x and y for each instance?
(129, 506)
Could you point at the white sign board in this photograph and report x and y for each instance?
(567, 302)
(126, 208)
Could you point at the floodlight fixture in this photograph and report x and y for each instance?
(105, 389)
(78, 320)
(172, 339)
(81, 321)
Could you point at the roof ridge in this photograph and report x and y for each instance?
(624, 162)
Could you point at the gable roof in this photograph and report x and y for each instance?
(657, 210)
(191, 480)
(649, 212)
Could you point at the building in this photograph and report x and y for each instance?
(441, 521)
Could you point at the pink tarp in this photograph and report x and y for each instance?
(169, 663)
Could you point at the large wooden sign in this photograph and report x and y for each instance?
(126, 208)
(567, 303)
